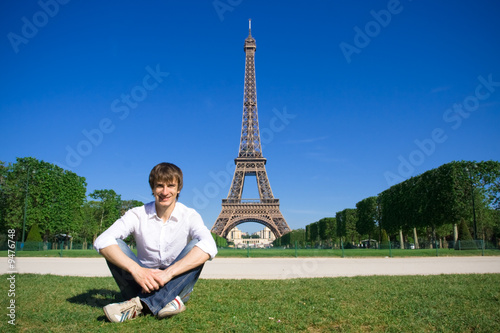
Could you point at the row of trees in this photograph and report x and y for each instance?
(465, 194)
(219, 241)
(54, 200)
(458, 200)
(292, 238)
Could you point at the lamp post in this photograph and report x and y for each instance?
(25, 205)
(473, 201)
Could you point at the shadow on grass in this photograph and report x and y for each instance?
(97, 298)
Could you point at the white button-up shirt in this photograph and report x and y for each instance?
(159, 243)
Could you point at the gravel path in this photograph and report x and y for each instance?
(277, 268)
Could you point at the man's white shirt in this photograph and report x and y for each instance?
(159, 243)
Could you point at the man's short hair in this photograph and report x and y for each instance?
(165, 172)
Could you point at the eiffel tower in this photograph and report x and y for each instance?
(250, 162)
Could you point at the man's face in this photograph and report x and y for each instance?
(165, 193)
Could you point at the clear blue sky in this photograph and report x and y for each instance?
(352, 95)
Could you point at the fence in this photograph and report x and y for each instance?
(386, 249)
(44, 246)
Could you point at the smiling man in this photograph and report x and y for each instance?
(172, 243)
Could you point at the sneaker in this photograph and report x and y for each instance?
(172, 308)
(119, 312)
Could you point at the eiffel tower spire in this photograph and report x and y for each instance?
(250, 138)
(250, 162)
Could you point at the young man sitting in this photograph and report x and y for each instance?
(172, 244)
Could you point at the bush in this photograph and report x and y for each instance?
(35, 234)
(464, 232)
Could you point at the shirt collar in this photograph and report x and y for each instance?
(175, 213)
(151, 211)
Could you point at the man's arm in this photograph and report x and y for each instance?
(145, 277)
(192, 259)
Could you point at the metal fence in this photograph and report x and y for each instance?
(44, 246)
(389, 249)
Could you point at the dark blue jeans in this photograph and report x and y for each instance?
(181, 285)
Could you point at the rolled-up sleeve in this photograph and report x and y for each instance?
(205, 240)
(121, 229)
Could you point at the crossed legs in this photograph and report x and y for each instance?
(181, 285)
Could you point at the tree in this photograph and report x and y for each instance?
(464, 232)
(383, 236)
(220, 241)
(453, 193)
(4, 170)
(35, 234)
(367, 215)
(107, 209)
(314, 229)
(322, 226)
(40, 193)
(308, 233)
(299, 236)
(340, 228)
(129, 204)
(291, 237)
(326, 229)
(346, 225)
(89, 228)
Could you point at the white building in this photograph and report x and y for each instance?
(265, 239)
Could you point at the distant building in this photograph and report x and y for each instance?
(265, 238)
(234, 234)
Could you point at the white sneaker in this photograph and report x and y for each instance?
(119, 312)
(174, 307)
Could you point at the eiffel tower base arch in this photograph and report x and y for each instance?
(235, 212)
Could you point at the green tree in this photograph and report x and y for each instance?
(89, 228)
(129, 204)
(346, 225)
(108, 208)
(464, 232)
(289, 239)
(40, 193)
(299, 236)
(441, 197)
(366, 216)
(384, 238)
(220, 241)
(326, 229)
(35, 234)
(4, 170)
(308, 233)
(314, 228)
(322, 229)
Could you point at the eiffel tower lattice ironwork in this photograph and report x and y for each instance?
(250, 162)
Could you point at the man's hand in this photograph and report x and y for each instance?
(147, 278)
(164, 275)
(194, 258)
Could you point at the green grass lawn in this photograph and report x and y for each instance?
(443, 303)
(290, 253)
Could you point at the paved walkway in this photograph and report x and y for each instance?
(277, 268)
